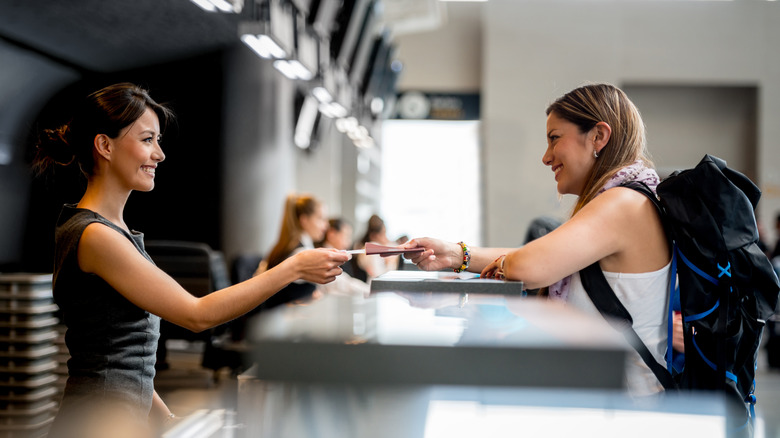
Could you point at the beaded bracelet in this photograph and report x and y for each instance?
(466, 257)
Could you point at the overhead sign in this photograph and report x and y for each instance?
(437, 106)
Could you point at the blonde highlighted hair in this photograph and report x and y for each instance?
(590, 104)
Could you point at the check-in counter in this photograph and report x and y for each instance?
(412, 364)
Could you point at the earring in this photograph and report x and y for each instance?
(595, 153)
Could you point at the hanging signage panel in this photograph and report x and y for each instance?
(437, 106)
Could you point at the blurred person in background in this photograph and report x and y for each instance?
(367, 268)
(304, 222)
(339, 236)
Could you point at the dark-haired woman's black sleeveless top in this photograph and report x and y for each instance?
(112, 342)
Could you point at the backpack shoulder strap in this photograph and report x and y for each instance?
(617, 315)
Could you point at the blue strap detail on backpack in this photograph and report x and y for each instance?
(751, 399)
(711, 364)
(696, 269)
(674, 304)
(675, 360)
(751, 402)
(707, 277)
(702, 314)
(724, 271)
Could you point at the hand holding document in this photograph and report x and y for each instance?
(384, 251)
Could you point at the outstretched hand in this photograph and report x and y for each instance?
(495, 269)
(438, 254)
(321, 265)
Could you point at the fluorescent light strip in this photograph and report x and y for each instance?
(264, 46)
(286, 69)
(338, 110)
(322, 94)
(233, 6)
(293, 69)
(334, 111)
(205, 5)
(301, 72)
(223, 5)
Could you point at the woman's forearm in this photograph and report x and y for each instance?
(234, 301)
(481, 257)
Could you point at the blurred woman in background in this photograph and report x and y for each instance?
(339, 236)
(366, 268)
(303, 223)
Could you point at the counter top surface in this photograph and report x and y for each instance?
(437, 338)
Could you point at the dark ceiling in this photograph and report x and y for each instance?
(113, 35)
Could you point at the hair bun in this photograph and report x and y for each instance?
(53, 148)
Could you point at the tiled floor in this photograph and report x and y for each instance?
(186, 388)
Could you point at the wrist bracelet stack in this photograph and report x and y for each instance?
(466, 257)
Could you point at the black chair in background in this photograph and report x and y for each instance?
(541, 226)
(200, 270)
(244, 268)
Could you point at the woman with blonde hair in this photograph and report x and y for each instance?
(303, 223)
(595, 143)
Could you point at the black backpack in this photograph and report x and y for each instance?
(727, 286)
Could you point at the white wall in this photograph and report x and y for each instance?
(534, 51)
(448, 59)
(720, 119)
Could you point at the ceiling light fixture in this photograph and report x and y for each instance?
(229, 6)
(333, 110)
(293, 69)
(263, 45)
(322, 94)
(270, 35)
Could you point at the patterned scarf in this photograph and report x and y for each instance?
(633, 172)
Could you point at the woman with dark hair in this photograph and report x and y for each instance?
(303, 223)
(369, 267)
(110, 293)
(595, 142)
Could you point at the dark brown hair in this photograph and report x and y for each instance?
(375, 225)
(106, 111)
